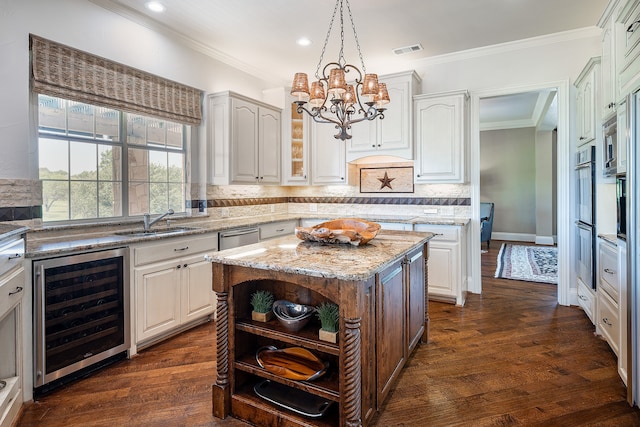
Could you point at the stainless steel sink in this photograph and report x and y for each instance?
(155, 231)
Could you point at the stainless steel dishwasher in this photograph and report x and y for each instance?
(238, 237)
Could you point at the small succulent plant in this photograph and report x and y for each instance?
(262, 301)
(329, 316)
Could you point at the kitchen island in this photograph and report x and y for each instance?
(381, 291)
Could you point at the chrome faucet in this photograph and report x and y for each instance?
(147, 219)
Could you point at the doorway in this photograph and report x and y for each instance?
(562, 186)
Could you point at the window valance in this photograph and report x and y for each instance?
(60, 70)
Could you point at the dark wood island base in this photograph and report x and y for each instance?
(381, 291)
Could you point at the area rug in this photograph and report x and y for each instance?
(529, 263)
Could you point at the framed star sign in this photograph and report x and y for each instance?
(386, 180)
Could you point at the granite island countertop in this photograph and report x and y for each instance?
(342, 261)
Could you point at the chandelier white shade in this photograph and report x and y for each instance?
(341, 94)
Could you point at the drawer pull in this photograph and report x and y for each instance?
(280, 230)
(631, 28)
(181, 249)
(15, 256)
(17, 291)
(582, 297)
(606, 321)
(609, 271)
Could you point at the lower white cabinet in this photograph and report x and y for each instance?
(172, 286)
(587, 300)
(622, 309)
(608, 307)
(447, 262)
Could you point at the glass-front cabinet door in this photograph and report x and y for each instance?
(295, 137)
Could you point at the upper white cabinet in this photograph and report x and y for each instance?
(441, 135)
(244, 138)
(629, 46)
(295, 145)
(586, 86)
(328, 163)
(608, 70)
(392, 136)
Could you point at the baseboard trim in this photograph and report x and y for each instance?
(516, 237)
(545, 240)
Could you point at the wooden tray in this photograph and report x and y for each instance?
(294, 363)
(345, 230)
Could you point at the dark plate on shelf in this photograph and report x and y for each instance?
(295, 400)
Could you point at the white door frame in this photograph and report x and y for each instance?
(564, 184)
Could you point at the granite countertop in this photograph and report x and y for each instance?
(65, 239)
(342, 261)
(8, 231)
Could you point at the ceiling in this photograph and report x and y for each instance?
(259, 36)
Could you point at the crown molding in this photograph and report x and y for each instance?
(549, 39)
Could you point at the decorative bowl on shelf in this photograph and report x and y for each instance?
(294, 363)
(291, 315)
(354, 231)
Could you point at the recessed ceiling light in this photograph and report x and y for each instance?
(155, 6)
(303, 41)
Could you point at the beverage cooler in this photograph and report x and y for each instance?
(81, 317)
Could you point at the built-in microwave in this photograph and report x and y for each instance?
(610, 130)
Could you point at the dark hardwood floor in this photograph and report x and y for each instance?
(511, 356)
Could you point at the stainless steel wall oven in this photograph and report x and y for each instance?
(81, 316)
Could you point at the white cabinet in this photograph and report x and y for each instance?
(172, 286)
(441, 137)
(447, 262)
(628, 50)
(295, 145)
(392, 136)
(328, 163)
(622, 309)
(587, 300)
(244, 140)
(608, 70)
(277, 229)
(608, 318)
(586, 92)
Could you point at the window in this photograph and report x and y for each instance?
(97, 162)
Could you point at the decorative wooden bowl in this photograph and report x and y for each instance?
(344, 230)
(294, 363)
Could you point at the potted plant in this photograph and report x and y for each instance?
(329, 316)
(262, 302)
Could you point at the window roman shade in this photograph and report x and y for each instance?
(60, 70)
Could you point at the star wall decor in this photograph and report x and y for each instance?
(386, 181)
(393, 179)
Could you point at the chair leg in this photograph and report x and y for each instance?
(488, 243)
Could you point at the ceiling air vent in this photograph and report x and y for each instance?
(408, 49)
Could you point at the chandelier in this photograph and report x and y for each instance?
(342, 104)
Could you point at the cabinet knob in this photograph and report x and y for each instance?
(178, 266)
(609, 271)
(379, 145)
(606, 321)
(342, 178)
(373, 145)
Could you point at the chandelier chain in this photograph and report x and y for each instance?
(326, 41)
(355, 36)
